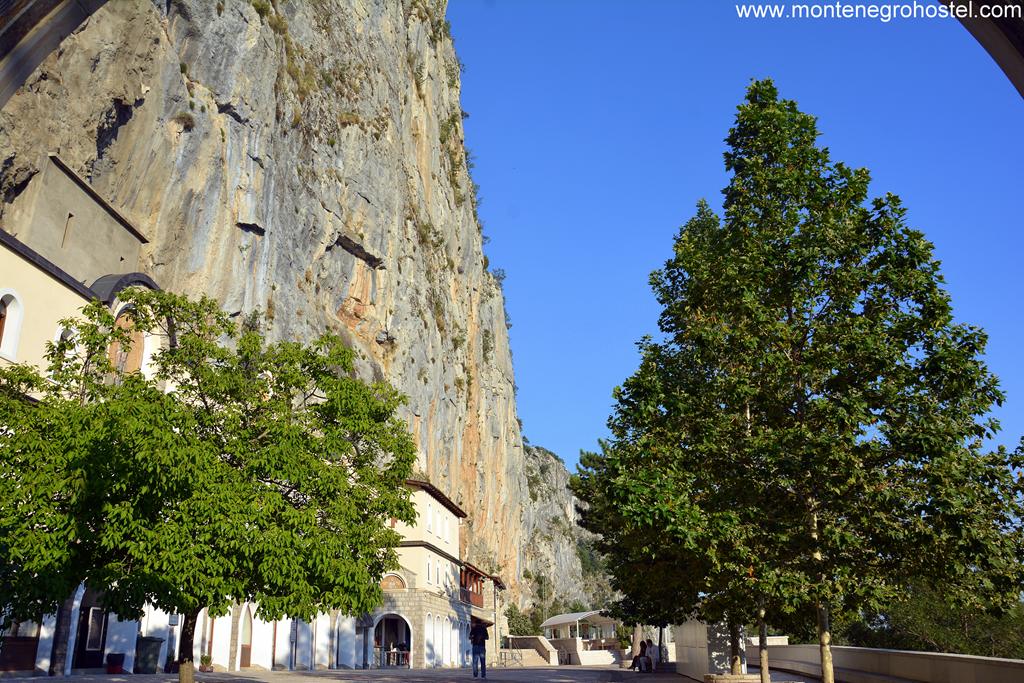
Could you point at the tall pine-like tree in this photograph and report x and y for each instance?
(811, 422)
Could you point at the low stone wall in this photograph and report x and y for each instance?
(869, 665)
(538, 644)
(571, 647)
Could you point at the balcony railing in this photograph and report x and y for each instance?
(471, 597)
(390, 659)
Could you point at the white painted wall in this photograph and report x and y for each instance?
(262, 643)
(221, 650)
(121, 638)
(156, 624)
(322, 644)
(45, 647)
(303, 651)
(704, 648)
(346, 657)
(284, 644)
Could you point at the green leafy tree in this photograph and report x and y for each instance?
(926, 620)
(669, 561)
(233, 469)
(811, 372)
(519, 624)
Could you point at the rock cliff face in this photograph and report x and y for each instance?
(306, 158)
(559, 564)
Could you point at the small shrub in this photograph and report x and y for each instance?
(183, 67)
(262, 8)
(331, 141)
(420, 74)
(436, 303)
(220, 8)
(185, 120)
(278, 24)
(348, 118)
(487, 345)
(428, 235)
(448, 126)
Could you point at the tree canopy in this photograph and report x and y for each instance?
(229, 469)
(810, 424)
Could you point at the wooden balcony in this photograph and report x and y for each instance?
(471, 597)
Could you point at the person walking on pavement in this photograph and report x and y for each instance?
(478, 637)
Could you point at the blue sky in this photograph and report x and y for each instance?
(597, 126)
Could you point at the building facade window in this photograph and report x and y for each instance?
(11, 313)
(128, 358)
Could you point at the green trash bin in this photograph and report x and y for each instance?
(147, 654)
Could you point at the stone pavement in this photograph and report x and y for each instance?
(558, 674)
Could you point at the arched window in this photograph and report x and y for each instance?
(392, 582)
(127, 359)
(10, 324)
(430, 568)
(438, 642)
(428, 640)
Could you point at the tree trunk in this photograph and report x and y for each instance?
(61, 633)
(638, 634)
(762, 647)
(236, 618)
(735, 661)
(825, 644)
(186, 658)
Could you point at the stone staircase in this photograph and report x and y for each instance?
(524, 657)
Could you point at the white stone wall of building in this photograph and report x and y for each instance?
(262, 643)
(45, 647)
(156, 624)
(346, 642)
(282, 659)
(121, 637)
(302, 659)
(322, 638)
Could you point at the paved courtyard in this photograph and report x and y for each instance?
(560, 674)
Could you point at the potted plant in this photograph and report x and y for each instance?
(206, 663)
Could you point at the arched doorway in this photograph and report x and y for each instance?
(245, 640)
(392, 641)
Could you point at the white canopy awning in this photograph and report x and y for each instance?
(592, 617)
